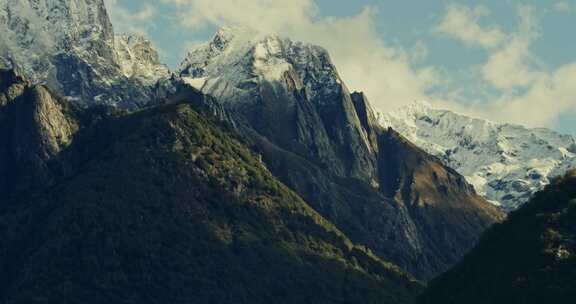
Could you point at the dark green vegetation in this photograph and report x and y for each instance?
(163, 206)
(530, 258)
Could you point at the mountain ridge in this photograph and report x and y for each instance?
(162, 205)
(324, 142)
(506, 163)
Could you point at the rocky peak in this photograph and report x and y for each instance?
(138, 58)
(12, 85)
(69, 46)
(289, 91)
(36, 126)
(199, 60)
(35, 29)
(237, 59)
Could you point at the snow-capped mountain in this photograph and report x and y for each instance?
(505, 163)
(324, 142)
(71, 47)
(237, 59)
(34, 30)
(263, 75)
(139, 59)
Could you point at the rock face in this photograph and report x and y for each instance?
(446, 215)
(325, 143)
(70, 47)
(530, 258)
(162, 206)
(139, 59)
(505, 163)
(33, 28)
(36, 126)
(289, 92)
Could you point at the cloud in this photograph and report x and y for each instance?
(364, 59)
(419, 51)
(125, 20)
(266, 15)
(544, 94)
(524, 91)
(463, 23)
(542, 104)
(513, 65)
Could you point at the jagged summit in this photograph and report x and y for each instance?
(289, 91)
(70, 46)
(410, 115)
(505, 163)
(33, 31)
(138, 58)
(232, 64)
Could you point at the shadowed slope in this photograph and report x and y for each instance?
(166, 208)
(527, 259)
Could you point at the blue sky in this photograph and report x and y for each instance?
(505, 60)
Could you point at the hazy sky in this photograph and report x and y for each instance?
(512, 61)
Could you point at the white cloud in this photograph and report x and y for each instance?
(541, 106)
(266, 15)
(365, 61)
(513, 65)
(544, 94)
(125, 20)
(527, 92)
(463, 23)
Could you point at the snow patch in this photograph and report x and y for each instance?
(196, 83)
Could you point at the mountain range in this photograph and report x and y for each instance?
(506, 163)
(251, 174)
